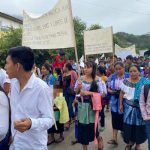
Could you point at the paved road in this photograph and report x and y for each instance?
(69, 135)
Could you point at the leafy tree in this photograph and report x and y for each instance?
(10, 38)
(79, 27)
(13, 37)
(125, 40)
(95, 26)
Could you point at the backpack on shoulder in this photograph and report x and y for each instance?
(146, 91)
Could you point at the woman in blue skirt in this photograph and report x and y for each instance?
(114, 87)
(134, 126)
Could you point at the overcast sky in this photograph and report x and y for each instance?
(131, 16)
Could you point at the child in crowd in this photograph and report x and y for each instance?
(61, 114)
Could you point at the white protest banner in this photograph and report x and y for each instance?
(96, 61)
(52, 30)
(124, 52)
(98, 41)
(141, 52)
(81, 59)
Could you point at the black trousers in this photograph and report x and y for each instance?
(102, 117)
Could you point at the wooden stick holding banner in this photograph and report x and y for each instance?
(76, 51)
(113, 46)
(76, 54)
(85, 56)
(113, 54)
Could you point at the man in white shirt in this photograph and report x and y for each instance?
(4, 115)
(4, 80)
(31, 102)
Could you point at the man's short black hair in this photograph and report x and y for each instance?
(23, 55)
(130, 57)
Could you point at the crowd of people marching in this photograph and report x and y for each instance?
(73, 94)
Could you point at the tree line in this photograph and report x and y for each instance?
(13, 37)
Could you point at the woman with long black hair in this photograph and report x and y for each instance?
(101, 72)
(49, 79)
(134, 126)
(89, 84)
(47, 75)
(69, 79)
(114, 82)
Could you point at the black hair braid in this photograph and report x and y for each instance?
(94, 86)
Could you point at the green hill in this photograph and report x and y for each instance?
(125, 39)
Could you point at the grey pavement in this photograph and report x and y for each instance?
(107, 134)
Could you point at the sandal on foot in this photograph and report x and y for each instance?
(128, 147)
(113, 142)
(74, 142)
(67, 126)
(59, 140)
(51, 142)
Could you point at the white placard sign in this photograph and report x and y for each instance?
(124, 52)
(98, 41)
(52, 30)
(141, 52)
